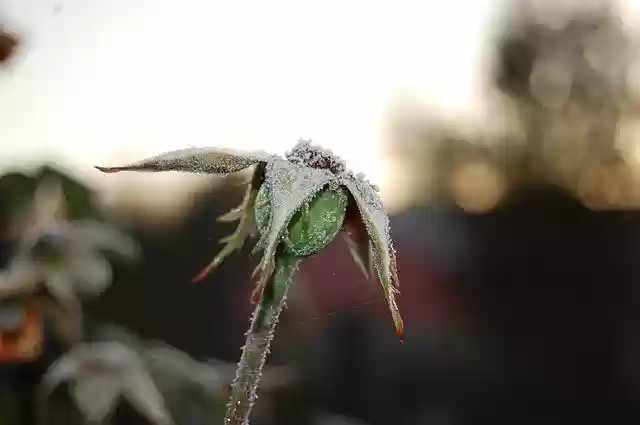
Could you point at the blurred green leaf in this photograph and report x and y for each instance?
(17, 190)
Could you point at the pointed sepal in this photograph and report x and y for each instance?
(245, 227)
(376, 223)
(287, 187)
(195, 160)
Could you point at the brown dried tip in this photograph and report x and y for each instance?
(8, 44)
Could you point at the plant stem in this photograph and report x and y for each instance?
(259, 337)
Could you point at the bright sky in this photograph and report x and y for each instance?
(110, 81)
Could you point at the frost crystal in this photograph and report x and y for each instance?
(378, 229)
(305, 153)
(196, 160)
(292, 182)
(290, 186)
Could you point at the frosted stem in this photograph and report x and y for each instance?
(259, 337)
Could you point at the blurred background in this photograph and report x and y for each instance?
(505, 138)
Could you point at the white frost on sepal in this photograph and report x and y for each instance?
(196, 160)
(376, 222)
(290, 186)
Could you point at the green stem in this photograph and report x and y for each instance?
(261, 332)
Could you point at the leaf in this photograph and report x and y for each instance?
(95, 235)
(80, 200)
(49, 204)
(89, 273)
(111, 369)
(195, 160)
(21, 190)
(289, 188)
(63, 369)
(20, 279)
(175, 369)
(61, 290)
(95, 398)
(377, 225)
(16, 189)
(144, 396)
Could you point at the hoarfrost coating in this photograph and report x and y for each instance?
(293, 182)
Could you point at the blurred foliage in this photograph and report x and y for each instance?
(18, 213)
(17, 190)
(8, 44)
(567, 91)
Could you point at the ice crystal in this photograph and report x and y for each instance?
(290, 188)
(305, 153)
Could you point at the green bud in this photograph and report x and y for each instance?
(311, 228)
